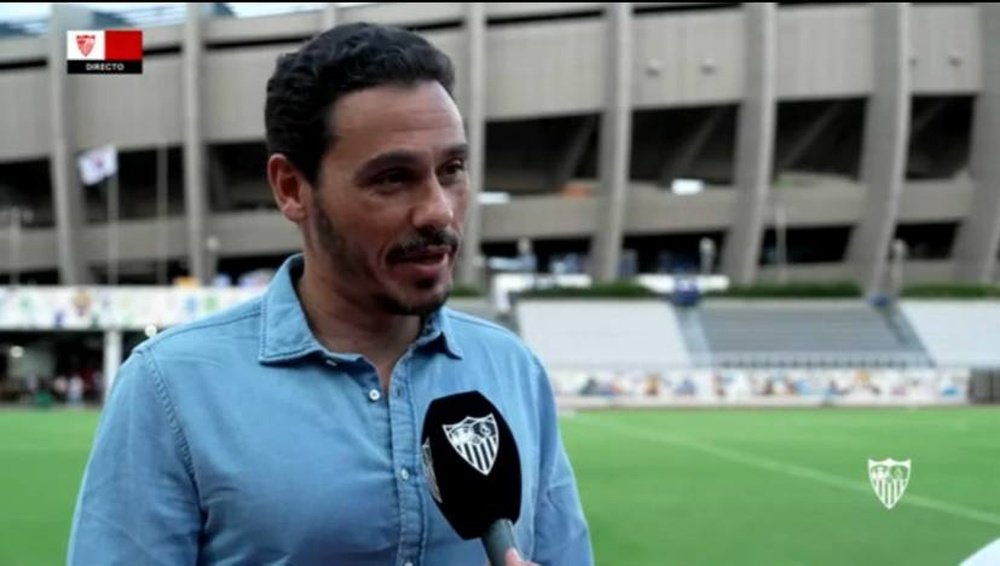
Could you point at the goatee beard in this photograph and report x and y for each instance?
(393, 305)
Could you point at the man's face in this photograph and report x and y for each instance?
(388, 207)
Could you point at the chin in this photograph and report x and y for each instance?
(417, 302)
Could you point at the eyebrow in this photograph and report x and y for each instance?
(458, 150)
(402, 158)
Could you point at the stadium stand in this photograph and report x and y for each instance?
(603, 334)
(958, 334)
(806, 333)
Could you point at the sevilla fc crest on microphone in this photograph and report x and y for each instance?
(476, 441)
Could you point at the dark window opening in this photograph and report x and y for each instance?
(927, 241)
(27, 185)
(673, 253)
(35, 277)
(684, 143)
(564, 255)
(940, 136)
(541, 155)
(806, 245)
(138, 181)
(237, 177)
(824, 137)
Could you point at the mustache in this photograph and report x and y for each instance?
(419, 242)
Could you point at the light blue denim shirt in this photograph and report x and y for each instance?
(239, 439)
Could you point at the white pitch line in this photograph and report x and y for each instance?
(793, 470)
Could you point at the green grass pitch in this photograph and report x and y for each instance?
(663, 487)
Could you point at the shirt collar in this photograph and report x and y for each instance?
(285, 334)
(438, 331)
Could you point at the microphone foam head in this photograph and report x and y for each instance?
(471, 463)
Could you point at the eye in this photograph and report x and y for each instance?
(392, 180)
(453, 170)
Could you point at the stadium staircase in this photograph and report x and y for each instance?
(831, 333)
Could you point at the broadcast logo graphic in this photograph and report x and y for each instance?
(104, 52)
(889, 479)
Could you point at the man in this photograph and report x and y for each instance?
(286, 430)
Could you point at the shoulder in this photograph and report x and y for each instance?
(472, 329)
(237, 323)
(481, 339)
(470, 323)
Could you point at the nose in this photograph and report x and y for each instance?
(435, 208)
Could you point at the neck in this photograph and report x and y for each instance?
(344, 324)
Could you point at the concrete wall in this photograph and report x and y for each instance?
(536, 69)
(551, 67)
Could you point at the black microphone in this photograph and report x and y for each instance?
(473, 470)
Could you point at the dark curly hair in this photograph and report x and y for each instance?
(306, 84)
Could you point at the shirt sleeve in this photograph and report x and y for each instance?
(138, 503)
(561, 534)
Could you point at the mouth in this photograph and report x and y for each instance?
(425, 264)
(430, 255)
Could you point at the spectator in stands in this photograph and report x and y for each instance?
(31, 386)
(59, 386)
(686, 388)
(43, 393)
(591, 387)
(286, 430)
(74, 391)
(95, 384)
(719, 386)
(652, 386)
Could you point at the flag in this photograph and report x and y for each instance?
(98, 164)
(104, 52)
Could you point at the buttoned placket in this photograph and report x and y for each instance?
(390, 432)
(404, 458)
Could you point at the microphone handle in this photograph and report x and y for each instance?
(498, 539)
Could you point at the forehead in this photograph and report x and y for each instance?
(421, 117)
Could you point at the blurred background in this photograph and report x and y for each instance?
(773, 227)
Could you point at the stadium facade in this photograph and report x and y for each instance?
(817, 133)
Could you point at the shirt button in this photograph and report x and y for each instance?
(407, 563)
(374, 395)
(399, 392)
(404, 474)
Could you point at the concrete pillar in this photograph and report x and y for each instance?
(615, 145)
(475, 123)
(112, 358)
(979, 235)
(754, 144)
(195, 173)
(67, 192)
(883, 163)
(329, 17)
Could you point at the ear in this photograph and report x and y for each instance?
(289, 187)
